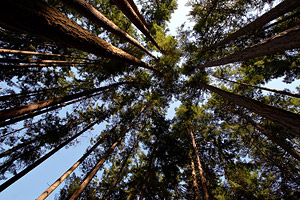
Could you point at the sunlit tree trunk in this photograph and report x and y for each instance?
(194, 178)
(282, 117)
(282, 8)
(137, 12)
(285, 40)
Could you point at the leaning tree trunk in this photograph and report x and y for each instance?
(194, 177)
(285, 40)
(15, 112)
(264, 88)
(282, 8)
(9, 60)
(101, 162)
(38, 18)
(125, 7)
(282, 117)
(45, 157)
(98, 18)
(137, 12)
(200, 168)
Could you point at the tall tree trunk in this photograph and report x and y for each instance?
(282, 117)
(137, 12)
(285, 40)
(263, 88)
(45, 157)
(39, 18)
(200, 168)
(282, 8)
(98, 18)
(12, 51)
(194, 177)
(8, 60)
(101, 162)
(125, 7)
(15, 112)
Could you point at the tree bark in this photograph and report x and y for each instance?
(282, 8)
(15, 112)
(39, 18)
(45, 157)
(100, 163)
(98, 18)
(9, 60)
(125, 7)
(200, 168)
(137, 12)
(264, 88)
(282, 117)
(286, 40)
(194, 177)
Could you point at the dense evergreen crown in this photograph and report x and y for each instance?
(110, 69)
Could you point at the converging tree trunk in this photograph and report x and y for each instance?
(200, 168)
(98, 18)
(282, 117)
(282, 8)
(285, 40)
(125, 7)
(39, 18)
(137, 12)
(194, 178)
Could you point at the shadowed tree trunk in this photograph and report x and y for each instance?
(263, 88)
(200, 168)
(45, 157)
(8, 60)
(39, 18)
(194, 177)
(285, 40)
(15, 112)
(98, 18)
(137, 12)
(282, 8)
(125, 7)
(101, 162)
(282, 117)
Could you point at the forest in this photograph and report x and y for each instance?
(69, 66)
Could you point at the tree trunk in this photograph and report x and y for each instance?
(15, 112)
(39, 18)
(282, 117)
(137, 12)
(100, 163)
(264, 88)
(282, 8)
(8, 60)
(12, 51)
(200, 168)
(39, 161)
(194, 177)
(285, 40)
(125, 7)
(98, 18)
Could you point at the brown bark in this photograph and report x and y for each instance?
(194, 178)
(264, 88)
(282, 117)
(93, 172)
(286, 40)
(282, 8)
(200, 168)
(9, 60)
(45, 157)
(39, 18)
(98, 18)
(12, 51)
(125, 7)
(15, 112)
(137, 12)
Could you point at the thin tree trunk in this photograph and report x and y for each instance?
(9, 60)
(125, 7)
(12, 51)
(200, 168)
(264, 88)
(297, 14)
(2, 136)
(98, 18)
(285, 40)
(39, 18)
(282, 8)
(282, 117)
(100, 163)
(137, 12)
(194, 177)
(15, 112)
(40, 65)
(45, 157)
